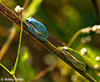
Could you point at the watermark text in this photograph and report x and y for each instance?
(11, 79)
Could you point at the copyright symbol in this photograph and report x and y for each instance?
(1, 79)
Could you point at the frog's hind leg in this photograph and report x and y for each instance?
(40, 37)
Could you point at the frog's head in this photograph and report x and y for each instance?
(31, 21)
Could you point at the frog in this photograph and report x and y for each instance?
(74, 57)
(36, 28)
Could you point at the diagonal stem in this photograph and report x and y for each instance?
(94, 2)
(74, 37)
(9, 72)
(8, 42)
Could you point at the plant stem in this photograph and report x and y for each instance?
(15, 19)
(19, 46)
(5, 68)
(26, 3)
(9, 72)
(74, 37)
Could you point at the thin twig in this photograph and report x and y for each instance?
(45, 71)
(48, 45)
(26, 3)
(9, 72)
(74, 37)
(8, 42)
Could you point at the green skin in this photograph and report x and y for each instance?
(74, 57)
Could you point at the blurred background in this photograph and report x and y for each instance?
(62, 18)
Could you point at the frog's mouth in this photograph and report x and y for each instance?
(29, 26)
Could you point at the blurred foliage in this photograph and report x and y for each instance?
(25, 71)
(93, 64)
(62, 18)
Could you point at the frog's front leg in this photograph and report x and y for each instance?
(31, 30)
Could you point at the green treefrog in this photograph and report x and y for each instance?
(74, 57)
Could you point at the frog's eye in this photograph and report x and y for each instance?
(30, 22)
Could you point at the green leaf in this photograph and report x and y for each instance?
(90, 56)
(25, 71)
(13, 69)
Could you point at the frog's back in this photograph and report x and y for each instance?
(40, 27)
